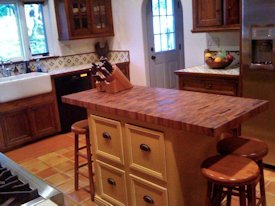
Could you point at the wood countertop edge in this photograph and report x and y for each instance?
(215, 131)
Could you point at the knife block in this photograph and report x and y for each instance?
(116, 82)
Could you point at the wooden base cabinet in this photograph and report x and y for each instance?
(26, 120)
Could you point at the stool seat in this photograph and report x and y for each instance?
(80, 127)
(254, 149)
(230, 170)
(230, 175)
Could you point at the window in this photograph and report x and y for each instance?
(163, 25)
(23, 33)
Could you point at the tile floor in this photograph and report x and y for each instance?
(52, 160)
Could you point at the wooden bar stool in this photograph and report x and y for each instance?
(253, 149)
(82, 128)
(227, 173)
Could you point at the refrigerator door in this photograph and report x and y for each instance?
(260, 84)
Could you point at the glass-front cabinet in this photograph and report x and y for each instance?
(102, 16)
(78, 19)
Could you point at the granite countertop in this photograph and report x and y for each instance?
(204, 69)
(202, 113)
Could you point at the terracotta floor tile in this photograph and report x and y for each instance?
(57, 179)
(270, 199)
(88, 203)
(41, 147)
(67, 186)
(69, 154)
(69, 202)
(65, 166)
(270, 188)
(53, 159)
(80, 195)
(46, 173)
(34, 165)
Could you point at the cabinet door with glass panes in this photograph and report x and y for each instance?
(79, 15)
(77, 19)
(102, 20)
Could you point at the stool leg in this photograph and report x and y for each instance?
(76, 162)
(242, 196)
(90, 167)
(228, 196)
(208, 194)
(251, 195)
(262, 184)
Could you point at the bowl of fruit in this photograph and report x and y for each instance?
(218, 60)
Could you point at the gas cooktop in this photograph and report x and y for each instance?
(19, 187)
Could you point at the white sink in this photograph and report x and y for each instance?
(24, 85)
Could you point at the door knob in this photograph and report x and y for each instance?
(153, 57)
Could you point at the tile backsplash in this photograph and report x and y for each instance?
(51, 63)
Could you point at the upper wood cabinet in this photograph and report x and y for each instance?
(79, 19)
(216, 15)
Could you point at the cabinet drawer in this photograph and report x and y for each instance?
(107, 136)
(145, 193)
(146, 151)
(112, 184)
(209, 85)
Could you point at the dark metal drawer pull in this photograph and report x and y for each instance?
(111, 181)
(145, 148)
(148, 199)
(106, 135)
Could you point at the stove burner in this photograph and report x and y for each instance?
(14, 192)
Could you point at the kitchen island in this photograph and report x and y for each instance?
(148, 143)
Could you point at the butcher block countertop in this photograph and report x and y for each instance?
(201, 113)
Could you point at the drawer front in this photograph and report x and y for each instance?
(144, 193)
(112, 183)
(209, 85)
(146, 151)
(107, 136)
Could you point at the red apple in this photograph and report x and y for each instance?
(229, 57)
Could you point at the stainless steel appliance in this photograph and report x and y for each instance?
(19, 187)
(258, 64)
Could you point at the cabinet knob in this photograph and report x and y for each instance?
(111, 181)
(145, 148)
(148, 199)
(106, 135)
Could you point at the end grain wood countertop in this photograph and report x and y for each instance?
(201, 113)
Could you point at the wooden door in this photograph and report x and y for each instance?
(165, 40)
(231, 12)
(208, 12)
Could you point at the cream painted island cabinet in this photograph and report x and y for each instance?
(148, 143)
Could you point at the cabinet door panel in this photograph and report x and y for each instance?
(145, 193)
(102, 20)
(232, 12)
(146, 151)
(209, 12)
(17, 129)
(112, 183)
(43, 119)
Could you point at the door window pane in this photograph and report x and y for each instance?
(9, 36)
(36, 28)
(164, 24)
